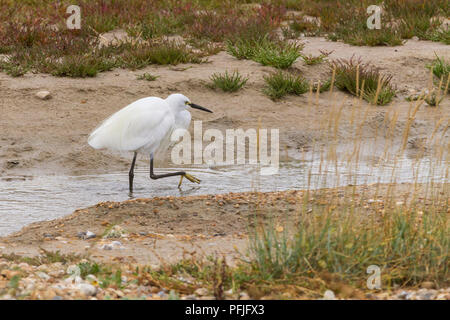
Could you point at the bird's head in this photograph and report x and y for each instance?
(181, 102)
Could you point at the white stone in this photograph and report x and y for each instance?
(44, 95)
(201, 291)
(90, 235)
(43, 275)
(87, 289)
(329, 295)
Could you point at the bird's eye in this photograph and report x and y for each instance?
(187, 103)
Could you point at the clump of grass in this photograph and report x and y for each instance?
(409, 246)
(78, 66)
(282, 83)
(269, 52)
(47, 257)
(147, 76)
(13, 69)
(312, 60)
(325, 86)
(439, 67)
(281, 55)
(441, 36)
(363, 79)
(87, 268)
(298, 26)
(163, 53)
(228, 82)
(242, 48)
(433, 99)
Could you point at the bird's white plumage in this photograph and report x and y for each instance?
(143, 126)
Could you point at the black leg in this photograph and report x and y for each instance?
(159, 176)
(131, 173)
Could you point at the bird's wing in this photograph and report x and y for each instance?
(182, 121)
(143, 123)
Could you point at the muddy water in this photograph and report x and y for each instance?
(24, 200)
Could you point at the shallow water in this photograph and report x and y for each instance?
(24, 200)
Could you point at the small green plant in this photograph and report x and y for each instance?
(312, 60)
(77, 66)
(363, 79)
(147, 76)
(439, 67)
(13, 70)
(228, 82)
(14, 282)
(242, 48)
(267, 51)
(87, 268)
(279, 54)
(282, 83)
(433, 99)
(441, 36)
(325, 86)
(114, 278)
(162, 53)
(47, 257)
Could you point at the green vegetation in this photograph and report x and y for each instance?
(147, 76)
(228, 82)
(439, 67)
(44, 44)
(45, 258)
(282, 83)
(362, 79)
(312, 60)
(269, 52)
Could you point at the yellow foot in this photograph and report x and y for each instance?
(190, 178)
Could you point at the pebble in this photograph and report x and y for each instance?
(81, 234)
(44, 95)
(201, 291)
(244, 296)
(403, 295)
(329, 295)
(86, 235)
(116, 244)
(43, 275)
(106, 247)
(426, 295)
(90, 235)
(87, 289)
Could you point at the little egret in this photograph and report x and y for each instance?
(145, 126)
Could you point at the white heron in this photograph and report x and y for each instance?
(145, 126)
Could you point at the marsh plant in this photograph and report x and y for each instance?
(434, 98)
(147, 76)
(228, 82)
(282, 83)
(312, 60)
(439, 67)
(267, 51)
(363, 80)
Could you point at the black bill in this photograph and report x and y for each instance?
(196, 106)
